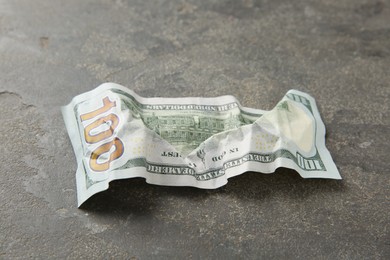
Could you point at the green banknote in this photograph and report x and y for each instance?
(199, 142)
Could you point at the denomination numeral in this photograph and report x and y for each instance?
(106, 148)
(107, 105)
(308, 164)
(111, 121)
(101, 130)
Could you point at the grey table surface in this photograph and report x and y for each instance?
(338, 51)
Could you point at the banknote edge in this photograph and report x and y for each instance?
(84, 194)
(320, 141)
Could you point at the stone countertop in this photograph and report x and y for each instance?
(338, 51)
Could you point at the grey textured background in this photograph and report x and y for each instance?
(338, 51)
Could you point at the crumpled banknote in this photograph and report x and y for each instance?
(194, 141)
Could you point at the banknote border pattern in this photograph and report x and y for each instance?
(142, 168)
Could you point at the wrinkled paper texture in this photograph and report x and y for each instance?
(199, 142)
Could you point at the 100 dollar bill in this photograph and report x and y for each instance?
(199, 142)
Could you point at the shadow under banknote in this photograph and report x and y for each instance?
(136, 197)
